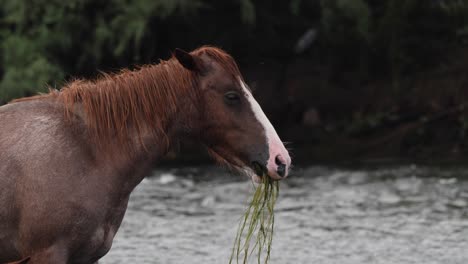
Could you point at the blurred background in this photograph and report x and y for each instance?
(340, 79)
(372, 95)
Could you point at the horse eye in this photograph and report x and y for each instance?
(232, 98)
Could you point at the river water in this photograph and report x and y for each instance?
(405, 214)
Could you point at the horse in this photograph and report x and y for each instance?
(70, 158)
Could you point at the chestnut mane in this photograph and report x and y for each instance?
(141, 101)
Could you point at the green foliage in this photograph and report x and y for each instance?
(128, 27)
(46, 42)
(398, 36)
(457, 10)
(362, 123)
(27, 69)
(342, 18)
(247, 12)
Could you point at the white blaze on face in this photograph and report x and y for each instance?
(275, 145)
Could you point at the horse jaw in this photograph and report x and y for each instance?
(236, 166)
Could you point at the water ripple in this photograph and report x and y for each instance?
(324, 215)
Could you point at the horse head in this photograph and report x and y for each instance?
(232, 125)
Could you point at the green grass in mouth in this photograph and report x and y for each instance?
(255, 231)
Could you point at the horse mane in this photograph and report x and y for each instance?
(137, 102)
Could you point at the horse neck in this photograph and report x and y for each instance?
(134, 117)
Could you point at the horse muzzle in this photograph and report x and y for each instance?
(277, 167)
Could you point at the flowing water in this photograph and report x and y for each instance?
(404, 214)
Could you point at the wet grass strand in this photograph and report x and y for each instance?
(258, 224)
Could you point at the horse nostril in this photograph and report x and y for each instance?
(278, 160)
(281, 166)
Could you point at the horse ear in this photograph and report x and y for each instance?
(187, 60)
